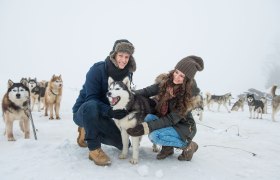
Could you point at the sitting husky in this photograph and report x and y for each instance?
(220, 100)
(255, 105)
(239, 104)
(275, 102)
(53, 96)
(15, 106)
(121, 97)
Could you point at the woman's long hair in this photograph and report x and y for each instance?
(182, 97)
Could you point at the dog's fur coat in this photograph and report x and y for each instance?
(198, 110)
(239, 104)
(16, 106)
(53, 96)
(220, 100)
(34, 89)
(255, 106)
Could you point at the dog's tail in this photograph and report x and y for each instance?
(273, 89)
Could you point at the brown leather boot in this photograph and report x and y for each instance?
(81, 138)
(188, 151)
(165, 152)
(99, 157)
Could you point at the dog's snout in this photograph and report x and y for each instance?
(18, 96)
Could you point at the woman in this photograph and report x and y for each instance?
(92, 112)
(173, 125)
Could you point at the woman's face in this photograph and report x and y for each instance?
(178, 77)
(122, 59)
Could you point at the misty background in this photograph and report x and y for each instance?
(239, 40)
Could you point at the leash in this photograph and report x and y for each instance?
(31, 119)
(227, 147)
(32, 122)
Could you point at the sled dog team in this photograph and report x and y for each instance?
(20, 98)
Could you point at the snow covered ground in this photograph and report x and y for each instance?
(231, 146)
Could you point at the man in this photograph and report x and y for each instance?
(92, 111)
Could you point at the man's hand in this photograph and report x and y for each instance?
(118, 114)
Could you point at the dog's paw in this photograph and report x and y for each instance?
(57, 118)
(155, 148)
(133, 161)
(51, 118)
(11, 139)
(122, 156)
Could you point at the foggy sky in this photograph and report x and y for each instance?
(236, 39)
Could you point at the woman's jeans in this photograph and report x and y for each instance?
(165, 136)
(99, 129)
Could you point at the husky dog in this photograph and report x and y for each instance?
(15, 106)
(239, 104)
(264, 100)
(53, 96)
(34, 89)
(255, 105)
(43, 85)
(199, 107)
(121, 97)
(275, 103)
(221, 100)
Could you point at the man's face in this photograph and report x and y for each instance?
(122, 59)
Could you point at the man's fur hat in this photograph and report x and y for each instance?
(124, 45)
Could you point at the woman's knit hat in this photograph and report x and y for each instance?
(123, 45)
(190, 65)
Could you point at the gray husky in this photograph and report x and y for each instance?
(15, 106)
(239, 104)
(275, 103)
(121, 97)
(220, 100)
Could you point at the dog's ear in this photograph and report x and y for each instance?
(24, 82)
(110, 80)
(59, 76)
(53, 76)
(10, 83)
(126, 81)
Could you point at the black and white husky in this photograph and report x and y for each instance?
(199, 107)
(121, 97)
(34, 89)
(15, 106)
(255, 105)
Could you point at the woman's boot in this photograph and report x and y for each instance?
(188, 151)
(165, 152)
